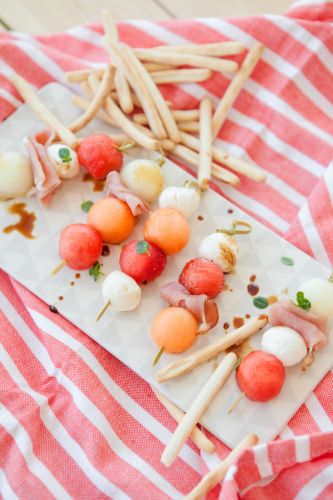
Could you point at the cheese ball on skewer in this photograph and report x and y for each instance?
(185, 199)
(64, 160)
(221, 249)
(284, 343)
(16, 177)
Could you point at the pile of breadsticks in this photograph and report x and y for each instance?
(125, 94)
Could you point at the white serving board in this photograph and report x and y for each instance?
(126, 335)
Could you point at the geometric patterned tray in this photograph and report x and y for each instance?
(126, 335)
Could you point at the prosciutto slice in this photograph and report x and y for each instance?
(203, 309)
(45, 176)
(115, 188)
(313, 328)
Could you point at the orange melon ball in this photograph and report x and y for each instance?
(112, 218)
(174, 329)
(167, 229)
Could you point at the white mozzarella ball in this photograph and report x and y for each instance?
(320, 294)
(284, 343)
(144, 177)
(16, 177)
(57, 154)
(122, 291)
(184, 199)
(221, 249)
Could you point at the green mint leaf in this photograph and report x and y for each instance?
(95, 271)
(142, 247)
(260, 302)
(86, 206)
(287, 261)
(302, 301)
(65, 155)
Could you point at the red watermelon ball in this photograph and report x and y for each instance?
(202, 276)
(80, 245)
(99, 155)
(142, 261)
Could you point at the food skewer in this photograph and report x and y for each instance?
(214, 477)
(198, 407)
(205, 139)
(186, 364)
(197, 436)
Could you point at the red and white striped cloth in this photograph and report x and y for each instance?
(74, 421)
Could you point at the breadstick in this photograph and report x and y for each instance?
(82, 103)
(193, 127)
(207, 49)
(135, 100)
(96, 103)
(147, 103)
(110, 27)
(213, 478)
(213, 63)
(28, 95)
(118, 139)
(181, 75)
(193, 158)
(197, 436)
(86, 89)
(165, 144)
(205, 139)
(236, 164)
(80, 75)
(178, 114)
(150, 66)
(235, 87)
(166, 115)
(186, 364)
(198, 408)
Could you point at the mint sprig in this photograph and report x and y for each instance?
(95, 271)
(65, 155)
(302, 301)
(86, 206)
(142, 247)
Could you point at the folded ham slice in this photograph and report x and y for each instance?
(313, 328)
(203, 309)
(45, 176)
(115, 188)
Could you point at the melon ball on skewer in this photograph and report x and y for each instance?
(120, 293)
(112, 218)
(202, 276)
(144, 177)
(16, 177)
(80, 245)
(167, 229)
(99, 155)
(320, 293)
(142, 261)
(284, 343)
(173, 330)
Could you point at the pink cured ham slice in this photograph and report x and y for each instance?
(45, 176)
(282, 314)
(320, 321)
(115, 188)
(203, 309)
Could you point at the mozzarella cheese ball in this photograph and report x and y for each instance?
(144, 177)
(184, 199)
(320, 294)
(16, 177)
(284, 343)
(64, 160)
(122, 291)
(221, 249)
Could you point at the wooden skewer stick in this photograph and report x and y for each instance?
(193, 158)
(58, 267)
(157, 357)
(29, 96)
(235, 87)
(205, 139)
(230, 161)
(206, 49)
(213, 63)
(187, 364)
(103, 310)
(197, 436)
(198, 408)
(213, 478)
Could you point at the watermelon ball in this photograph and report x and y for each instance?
(142, 261)
(80, 245)
(99, 155)
(202, 276)
(260, 376)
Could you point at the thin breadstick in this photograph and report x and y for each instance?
(193, 127)
(181, 75)
(178, 114)
(120, 57)
(198, 408)
(193, 158)
(207, 49)
(235, 87)
(118, 139)
(150, 66)
(197, 436)
(236, 164)
(186, 364)
(213, 63)
(28, 95)
(165, 144)
(135, 100)
(86, 89)
(166, 115)
(80, 75)
(205, 139)
(82, 103)
(213, 478)
(110, 27)
(96, 103)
